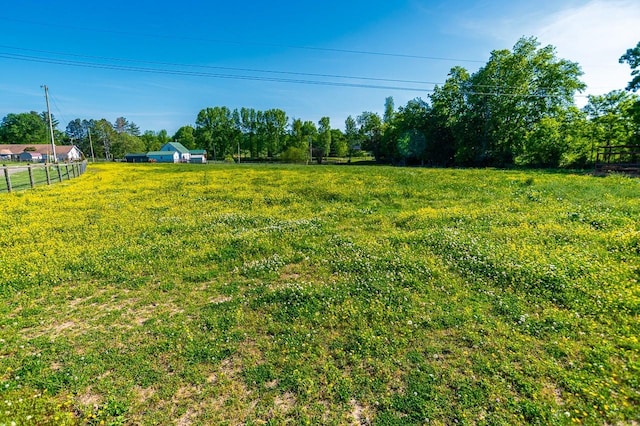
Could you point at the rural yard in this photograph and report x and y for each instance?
(269, 294)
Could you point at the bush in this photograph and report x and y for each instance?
(294, 155)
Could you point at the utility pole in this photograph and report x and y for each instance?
(310, 151)
(238, 152)
(53, 144)
(93, 157)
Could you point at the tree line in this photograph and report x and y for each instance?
(518, 109)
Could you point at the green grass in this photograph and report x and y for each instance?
(227, 294)
(21, 180)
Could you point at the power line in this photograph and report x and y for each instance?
(247, 43)
(55, 104)
(86, 64)
(391, 80)
(28, 58)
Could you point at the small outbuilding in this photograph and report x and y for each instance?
(6, 154)
(163, 156)
(198, 156)
(31, 156)
(136, 158)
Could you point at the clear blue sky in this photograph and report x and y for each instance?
(85, 53)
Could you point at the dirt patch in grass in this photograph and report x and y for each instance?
(187, 418)
(284, 403)
(360, 414)
(89, 399)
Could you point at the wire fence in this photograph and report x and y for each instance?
(19, 177)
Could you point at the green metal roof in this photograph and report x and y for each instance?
(150, 153)
(177, 146)
(198, 151)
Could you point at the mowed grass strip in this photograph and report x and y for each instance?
(187, 294)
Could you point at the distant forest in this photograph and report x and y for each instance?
(518, 109)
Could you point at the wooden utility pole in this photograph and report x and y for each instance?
(93, 157)
(53, 144)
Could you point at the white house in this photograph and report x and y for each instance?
(63, 152)
(183, 153)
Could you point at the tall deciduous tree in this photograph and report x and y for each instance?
(371, 131)
(124, 143)
(24, 128)
(612, 116)
(339, 146)
(632, 57)
(122, 125)
(410, 123)
(274, 122)
(185, 135)
(151, 141)
(352, 135)
(323, 145)
(448, 130)
(513, 92)
(216, 131)
(105, 135)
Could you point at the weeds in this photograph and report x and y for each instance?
(158, 294)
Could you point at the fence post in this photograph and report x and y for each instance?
(6, 176)
(46, 172)
(59, 173)
(30, 168)
(73, 170)
(66, 166)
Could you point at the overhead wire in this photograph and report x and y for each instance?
(245, 42)
(256, 70)
(201, 74)
(130, 68)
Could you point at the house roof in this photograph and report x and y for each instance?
(198, 151)
(175, 146)
(5, 152)
(158, 153)
(40, 148)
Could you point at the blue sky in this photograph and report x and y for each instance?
(85, 53)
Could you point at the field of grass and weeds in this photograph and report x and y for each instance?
(237, 294)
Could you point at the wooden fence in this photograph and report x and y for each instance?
(18, 177)
(618, 158)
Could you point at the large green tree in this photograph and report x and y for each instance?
(339, 147)
(216, 131)
(511, 94)
(274, 129)
(103, 134)
(352, 136)
(410, 123)
(632, 57)
(122, 125)
(371, 132)
(24, 128)
(151, 140)
(613, 118)
(323, 145)
(124, 143)
(186, 136)
(447, 131)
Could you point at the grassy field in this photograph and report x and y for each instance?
(186, 294)
(20, 179)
